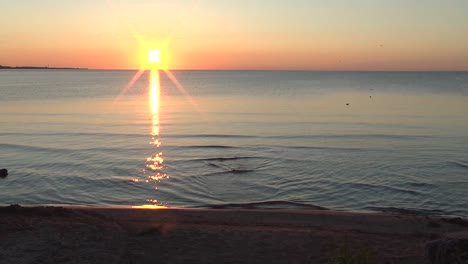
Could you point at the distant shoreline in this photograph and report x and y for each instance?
(38, 68)
(221, 70)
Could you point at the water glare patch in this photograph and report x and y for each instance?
(155, 163)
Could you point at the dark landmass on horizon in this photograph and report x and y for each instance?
(39, 68)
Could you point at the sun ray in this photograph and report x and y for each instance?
(130, 84)
(182, 89)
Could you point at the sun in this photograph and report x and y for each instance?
(154, 56)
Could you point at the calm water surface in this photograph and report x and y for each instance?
(382, 141)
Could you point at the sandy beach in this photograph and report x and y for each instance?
(128, 235)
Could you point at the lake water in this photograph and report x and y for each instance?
(378, 141)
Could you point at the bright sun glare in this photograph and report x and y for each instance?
(155, 60)
(154, 56)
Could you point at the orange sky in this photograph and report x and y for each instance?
(222, 34)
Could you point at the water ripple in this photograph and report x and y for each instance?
(265, 205)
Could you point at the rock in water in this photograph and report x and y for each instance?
(448, 251)
(3, 173)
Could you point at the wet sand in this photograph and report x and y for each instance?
(124, 235)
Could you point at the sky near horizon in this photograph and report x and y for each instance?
(242, 34)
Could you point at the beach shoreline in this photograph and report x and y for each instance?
(131, 235)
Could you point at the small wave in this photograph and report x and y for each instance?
(209, 146)
(224, 171)
(300, 136)
(209, 136)
(390, 188)
(419, 184)
(224, 159)
(326, 148)
(408, 211)
(460, 164)
(239, 171)
(364, 136)
(389, 136)
(231, 165)
(73, 134)
(266, 205)
(32, 148)
(64, 150)
(229, 170)
(106, 134)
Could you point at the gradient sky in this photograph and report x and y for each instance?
(238, 34)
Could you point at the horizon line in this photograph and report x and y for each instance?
(26, 67)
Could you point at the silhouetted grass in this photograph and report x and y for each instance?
(460, 257)
(345, 255)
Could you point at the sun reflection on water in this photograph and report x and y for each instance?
(149, 206)
(153, 61)
(154, 93)
(154, 163)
